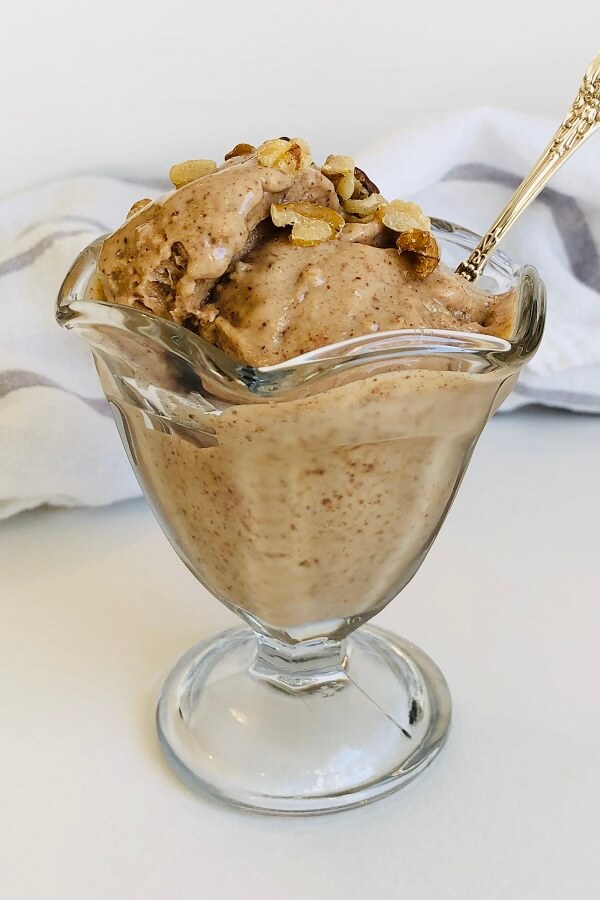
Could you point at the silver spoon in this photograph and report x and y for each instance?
(582, 120)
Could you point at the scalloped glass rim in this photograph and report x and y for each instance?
(75, 310)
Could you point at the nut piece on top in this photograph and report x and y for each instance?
(421, 249)
(415, 239)
(364, 208)
(402, 215)
(340, 171)
(240, 150)
(311, 224)
(288, 155)
(365, 186)
(355, 189)
(185, 172)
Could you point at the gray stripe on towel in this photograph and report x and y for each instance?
(569, 218)
(96, 224)
(27, 257)
(17, 379)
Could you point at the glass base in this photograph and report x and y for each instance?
(231, 726)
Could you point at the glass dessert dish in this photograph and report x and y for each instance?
(304, 496)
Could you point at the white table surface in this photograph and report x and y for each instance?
(96, 608)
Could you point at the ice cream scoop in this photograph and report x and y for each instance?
(269, 257)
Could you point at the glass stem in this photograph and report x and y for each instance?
(305, 666)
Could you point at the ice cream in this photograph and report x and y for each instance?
(214, 256)
(170, 254)
(282, 301)
(317, 508)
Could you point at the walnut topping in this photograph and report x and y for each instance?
(422, 250)
(360, 197)
(351, 184)
(400, 215)
(190, 170)
(289, 156)
(340, 171)
(240, 150)
(365, 186)
(366, 207)
(337, 165)
(137, 207)
(415, 240)
(311, 224)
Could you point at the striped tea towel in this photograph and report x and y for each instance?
(58, 444)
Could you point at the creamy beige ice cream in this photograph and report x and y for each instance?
(209, 256)
(282, 301)
(170, 254)
(318, 508)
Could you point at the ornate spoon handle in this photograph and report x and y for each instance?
(583, 119)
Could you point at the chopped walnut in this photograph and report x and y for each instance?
(311, 224)
(240, 150)
(366, 207)
(289, 156)
(364, 187)
(137, 207)
(421, 249)
(340, 171)
(337, 165)
(401, 215)
(190, 170)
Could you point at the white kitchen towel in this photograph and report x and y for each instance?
(58, 444)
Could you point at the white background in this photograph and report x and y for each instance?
(130, 87)
(95, 607)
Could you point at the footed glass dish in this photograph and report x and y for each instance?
(304, 496)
